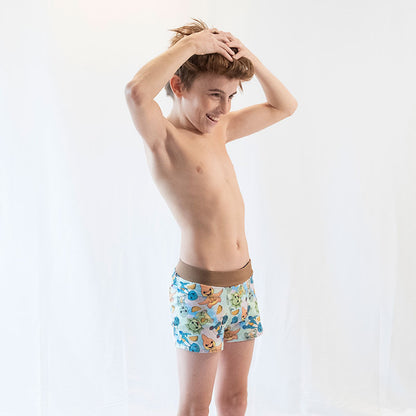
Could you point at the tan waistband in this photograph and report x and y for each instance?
(214, 277)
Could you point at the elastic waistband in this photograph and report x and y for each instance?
(214, 277)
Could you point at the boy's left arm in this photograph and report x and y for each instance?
(280, 102)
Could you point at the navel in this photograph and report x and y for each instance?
(237, 244)
(199, 169)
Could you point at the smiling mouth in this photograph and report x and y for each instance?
(213, 119)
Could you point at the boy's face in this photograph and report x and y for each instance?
(210, 94)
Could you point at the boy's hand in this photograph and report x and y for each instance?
(213, 41)
(242, 50)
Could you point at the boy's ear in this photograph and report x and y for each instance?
(176, 85)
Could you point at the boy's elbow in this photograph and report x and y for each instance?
(129, 88)
(293, 109)
(132, 92)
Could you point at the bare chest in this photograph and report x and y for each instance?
(206, 165)
(191, 161)
(197, 179)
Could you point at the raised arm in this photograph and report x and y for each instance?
(279, 105)
(153, 76)
(147, 83)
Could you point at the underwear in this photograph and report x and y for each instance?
(209, 307)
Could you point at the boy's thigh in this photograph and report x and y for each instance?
(197, 316)
(196, 378)
(198, 335)
(242, 321)
(203, 317)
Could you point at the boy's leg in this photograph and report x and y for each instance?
(196, 381)
(198, 340)
(232, 375)
(235, 360)
(200, 310)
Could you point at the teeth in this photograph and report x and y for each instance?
(213, 118)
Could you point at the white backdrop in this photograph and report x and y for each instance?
(88, 245)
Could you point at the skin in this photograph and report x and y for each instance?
(197, 177)
(200, 186)
(186, 152)
(190, 107)
(194, 173)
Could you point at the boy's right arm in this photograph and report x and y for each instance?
(147, 83)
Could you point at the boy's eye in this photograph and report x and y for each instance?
(217, 95)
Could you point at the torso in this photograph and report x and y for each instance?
(196, 177)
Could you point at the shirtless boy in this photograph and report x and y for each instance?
(215, 315)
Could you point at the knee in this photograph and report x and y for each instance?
(189, 409)
(232, 405)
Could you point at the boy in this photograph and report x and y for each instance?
(212, 291)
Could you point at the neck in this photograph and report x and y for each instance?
(179, 121)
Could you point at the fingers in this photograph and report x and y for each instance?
(226, 47)
(230, 36)
(227, 35)
(230, 51)
(225, 38)
(224, 51)
(224, 44)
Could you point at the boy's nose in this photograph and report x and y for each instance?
(225, 108)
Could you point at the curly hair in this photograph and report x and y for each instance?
(216, 63)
